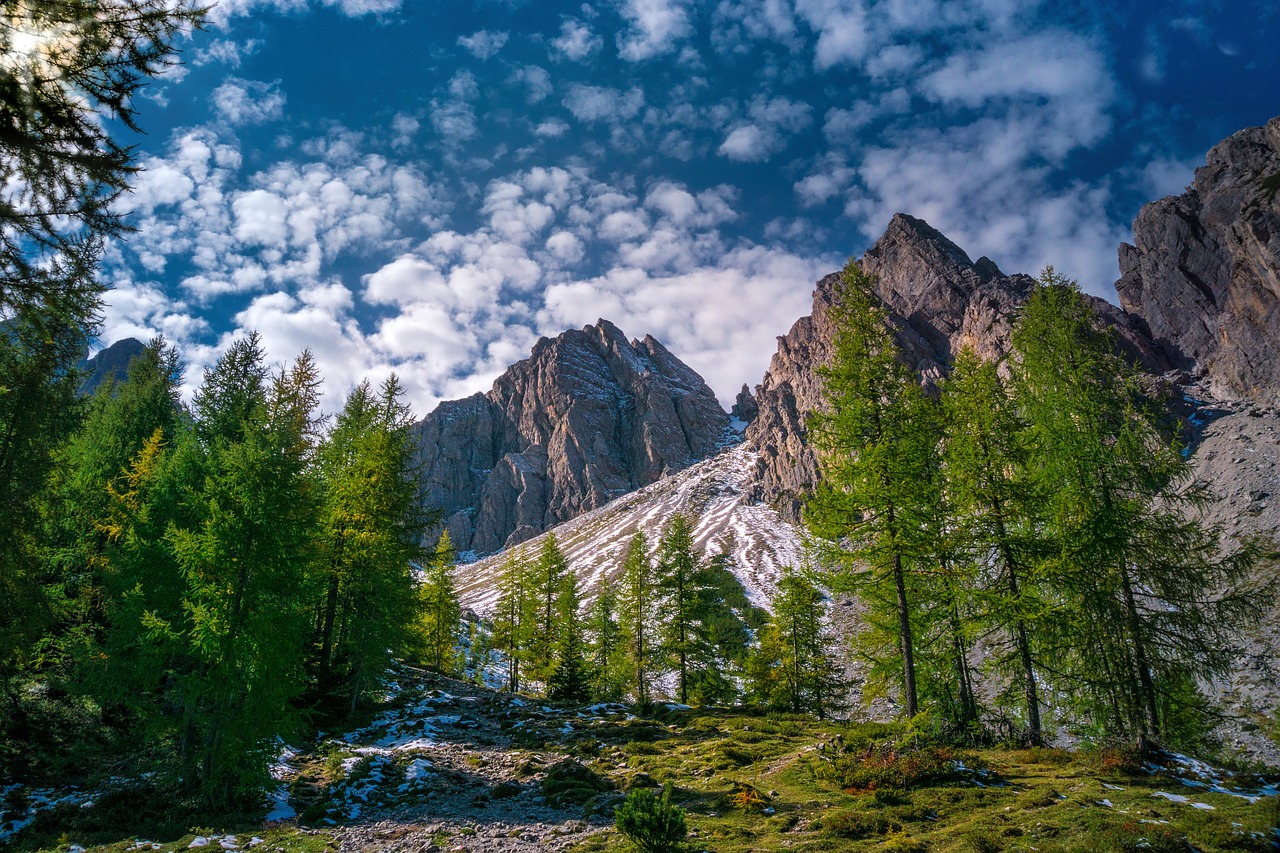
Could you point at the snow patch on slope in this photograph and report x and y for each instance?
(711, 494)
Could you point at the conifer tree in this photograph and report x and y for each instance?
(570, 679)
(117, 421)
(677, 569)
(513, 619)
(440, 615)
(370, 526)
(797, 667)
(997, 516)
(247, 563)
(548, 583)
(876, 441)
(637, 608)
(606, 645)
(1147, 599)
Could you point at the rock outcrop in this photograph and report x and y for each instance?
(1204, 270)
(587, 417)
(939, 301)
(111, 364)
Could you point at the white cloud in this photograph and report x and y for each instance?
(576, 41)
(403, 128)
(226, 52)
(748, 143)
(536, 80)
(657, 26)
(484, 44)
(260, 219)
(602, 103)
(551, 129)
(243, 102)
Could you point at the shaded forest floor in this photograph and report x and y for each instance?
(446, 766)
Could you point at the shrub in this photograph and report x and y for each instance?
(651, 822)
(856, 825)
(746, 797)
(885, 766)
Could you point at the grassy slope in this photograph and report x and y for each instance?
(1045, 799)
(1003, 799)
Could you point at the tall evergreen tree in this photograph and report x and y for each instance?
(246, 566)
(440, 615)
(987, 457)
(118, 420)
(797, 666)
(606, 648)
(549, 572)
(370, 526)
(637, 609)
(570, 678)
(514, 617)
(1147, 600)
(876, 441)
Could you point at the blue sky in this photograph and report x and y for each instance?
(428, 187)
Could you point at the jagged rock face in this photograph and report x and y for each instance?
(939, 302)
(587, 417)
(744, 405)
(111, 364)
(1204, 270)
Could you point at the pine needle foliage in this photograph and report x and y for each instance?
(876, 440)
(1148, 598)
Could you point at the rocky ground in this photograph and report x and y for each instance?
(1236, 450)
(454, 767)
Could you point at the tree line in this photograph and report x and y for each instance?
(674, 624)
(207, 575)
(1032, 524)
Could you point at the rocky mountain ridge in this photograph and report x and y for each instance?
(589, 416)
(1203, 272)
(939, 301)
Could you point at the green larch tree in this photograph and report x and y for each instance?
(637, 611)
(439, 614)
(514, 616)
(1147, 598)
(605, 646)
(997, 517)
(570, 678)
(549, 572)
(370, 526)
(876, 440)
(797, 666)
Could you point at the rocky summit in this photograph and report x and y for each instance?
(1204, 269)
(939, 301)
(589, 416)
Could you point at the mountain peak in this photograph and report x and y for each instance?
(588, 416)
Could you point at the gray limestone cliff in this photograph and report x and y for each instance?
(1204, 269)
(587, 417)
(939, 301)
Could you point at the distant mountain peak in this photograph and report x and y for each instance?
(588, 416)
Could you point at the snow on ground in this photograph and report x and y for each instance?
(711, 494)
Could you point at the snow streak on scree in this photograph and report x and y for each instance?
(710, 494)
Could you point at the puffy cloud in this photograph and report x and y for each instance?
(551, 129)
(226, 52)
(403, 127)
(576, 41)
(260, 219)
(484, 44)
(748, 143)
(242, 102)
(657, 26)
(602, 103)
(536, 80)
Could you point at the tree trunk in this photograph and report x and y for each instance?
(1151, 723)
